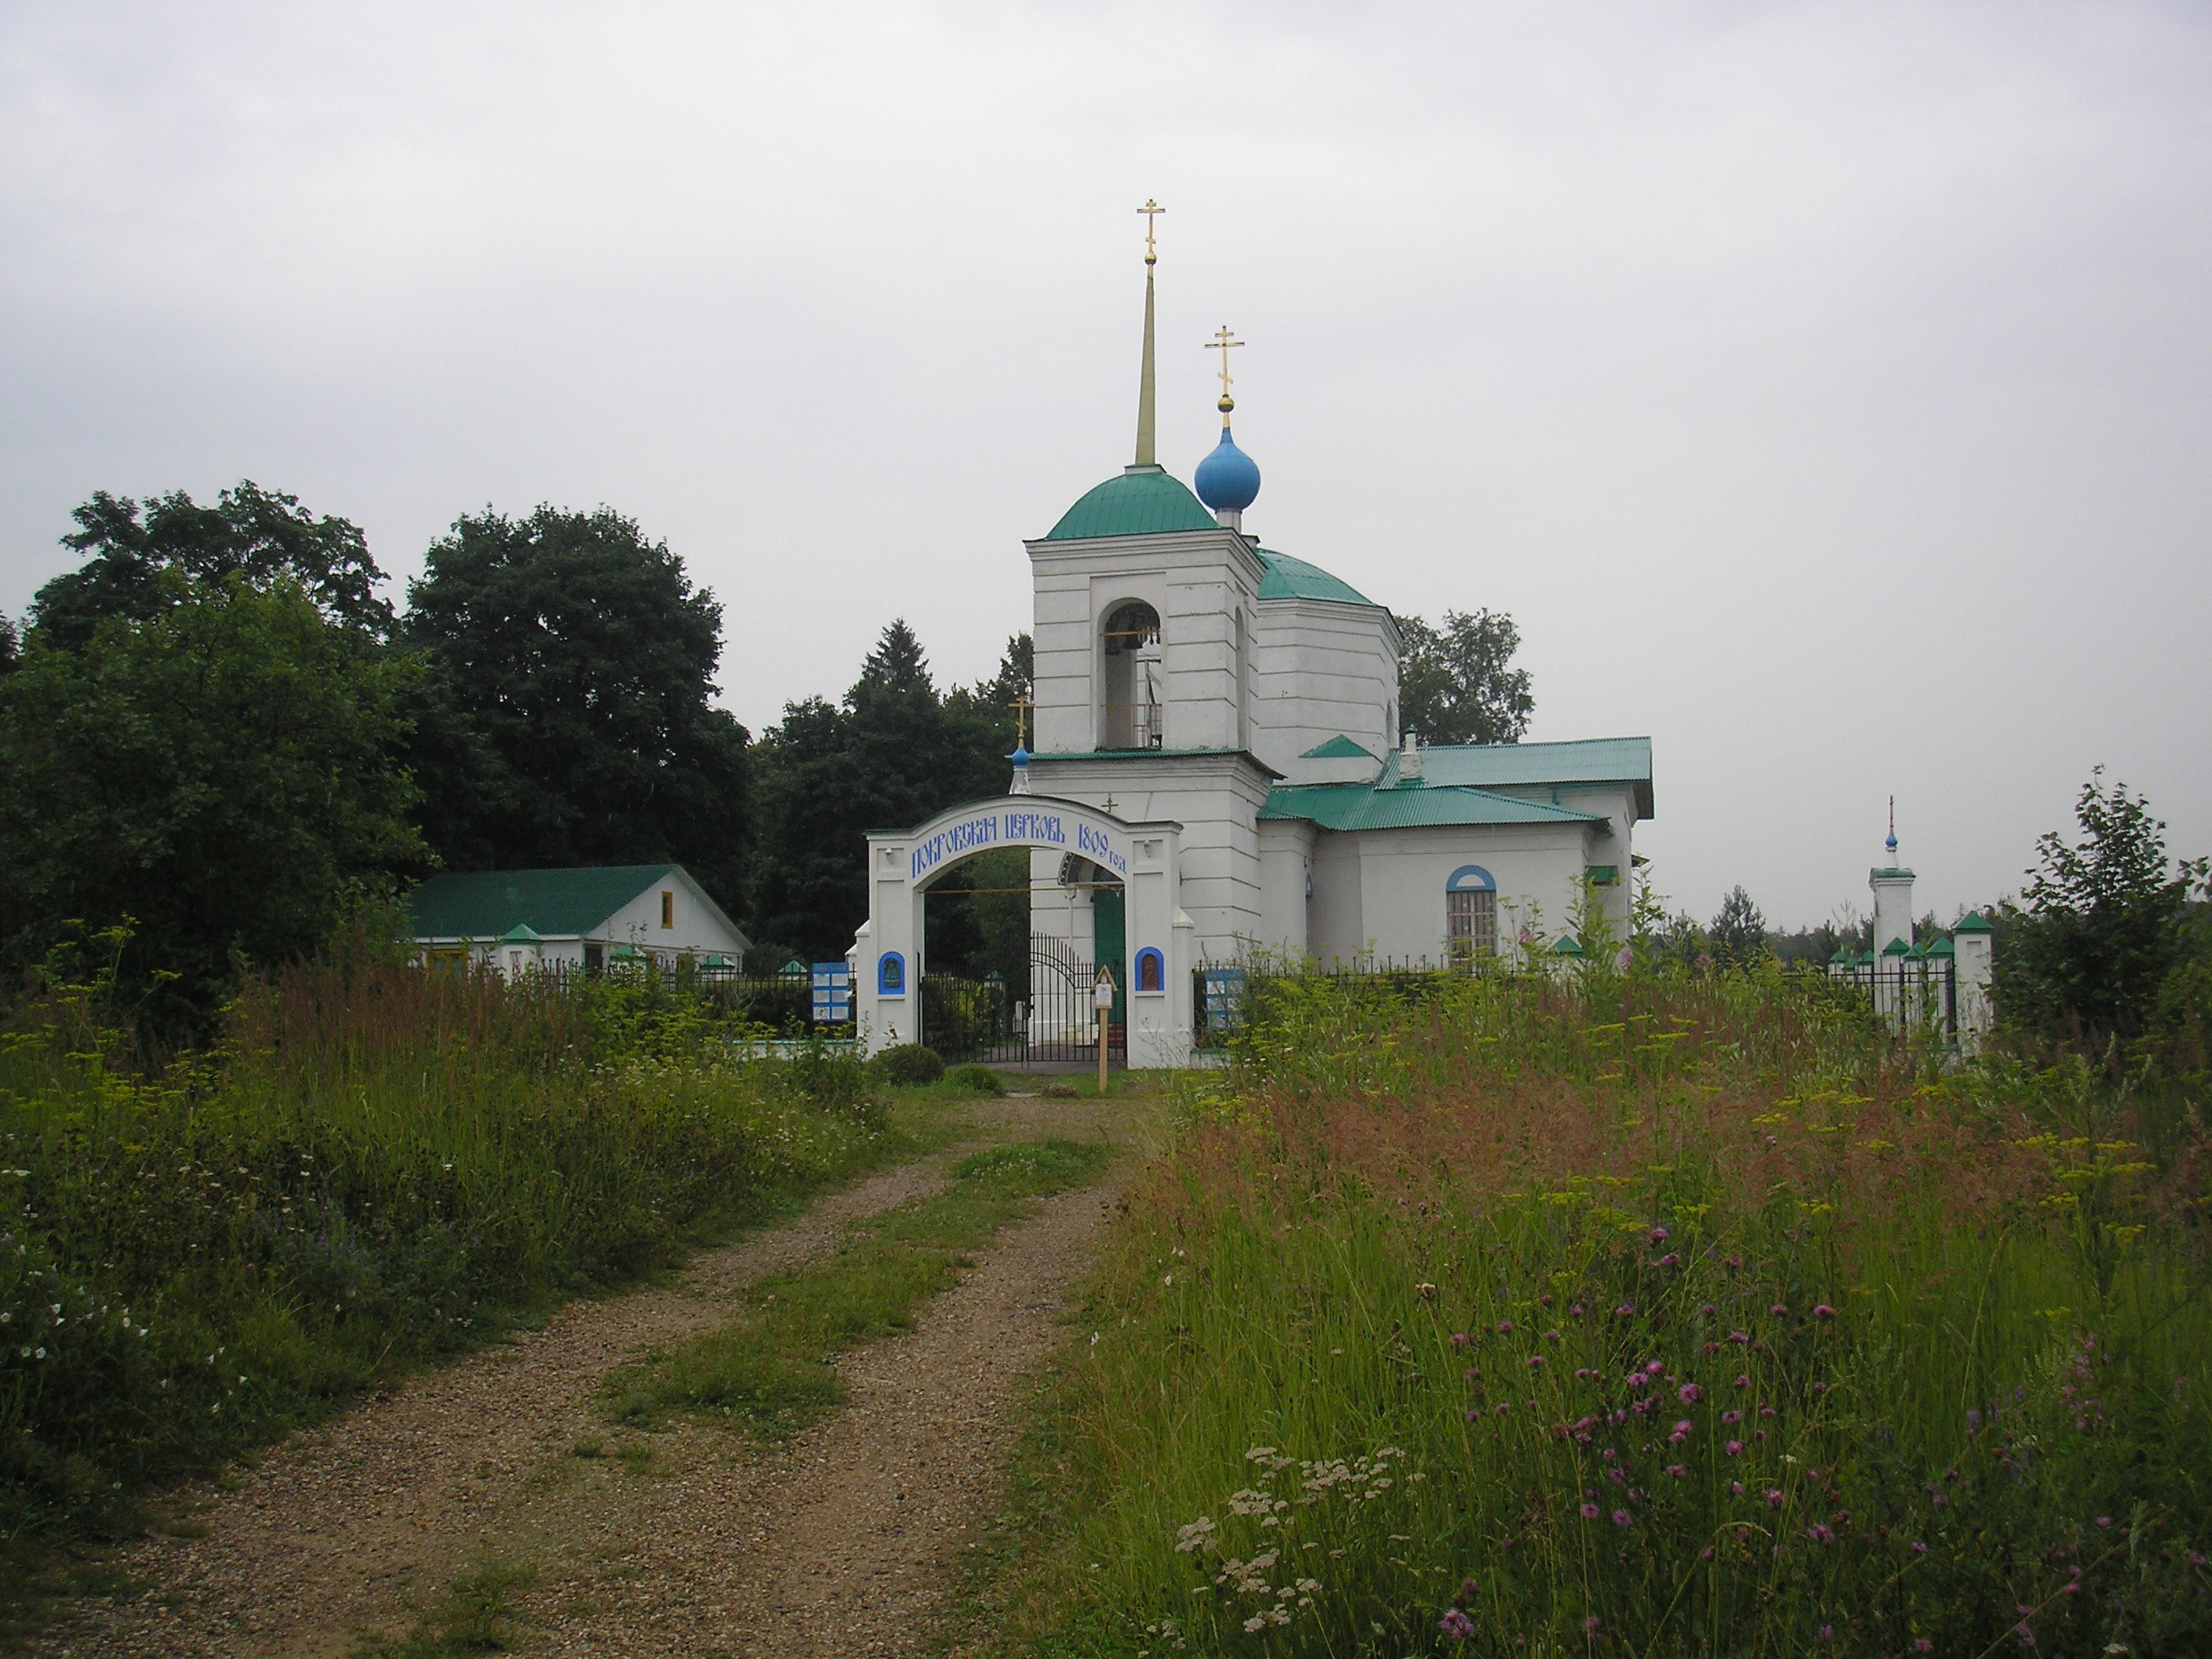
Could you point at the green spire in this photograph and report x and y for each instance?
(1146, 455)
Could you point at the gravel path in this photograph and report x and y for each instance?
(679, 1542)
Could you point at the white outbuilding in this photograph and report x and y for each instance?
(536, 921)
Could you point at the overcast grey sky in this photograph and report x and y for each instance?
(1826, 390)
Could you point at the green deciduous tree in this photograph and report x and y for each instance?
(255, 535)
(1458, 684)
(565, 717)
(2103, 924)
(216, 767)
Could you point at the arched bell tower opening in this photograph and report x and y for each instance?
(1130, 682)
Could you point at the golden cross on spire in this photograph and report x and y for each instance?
(1021, 705)
(1222, 343)
(1152, 210)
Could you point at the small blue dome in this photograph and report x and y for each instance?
(1227, 480)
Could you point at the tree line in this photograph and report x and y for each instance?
(219, 741)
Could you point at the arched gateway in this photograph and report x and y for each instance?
(1142, 860)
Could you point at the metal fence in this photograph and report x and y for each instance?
(971, 1020)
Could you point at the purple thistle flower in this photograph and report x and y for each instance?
(1590, 1511)
(1592, 1622)
(1743, 1382)
(1778, 1310)
(1669, 1260)
(1625, 1310)
(1688, 1393)
(1820, 1533)
(1504, 1325)
(1658, 1235)
(1731, 1415)
(1824, 1311)
(1457, 1625)
(1773, 1499)
(1621, 1517)
(1919, 1548)
(1735, 1448)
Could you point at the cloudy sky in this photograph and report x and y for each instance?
(1826, 390)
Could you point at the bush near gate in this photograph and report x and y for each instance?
(981, 1078)
(1655, 1317)
(909, 1064)
(375, 1166)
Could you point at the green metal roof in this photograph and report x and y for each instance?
(552, 903)
(1294, 579)
(1339, 747)
(1973, 922)
(1347, 806)
(1523, 765)
(1943, 947)
(1144, 501)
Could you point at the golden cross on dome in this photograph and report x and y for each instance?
(1222, 343)
(1152, 210)
(1021, 705)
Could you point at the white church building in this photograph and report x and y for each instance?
(1219, 772)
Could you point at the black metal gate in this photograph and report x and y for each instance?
(971, 1020)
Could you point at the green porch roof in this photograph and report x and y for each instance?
(1294, 579)
(1339, 747)
(1144, 501)
(1348, 806)
(549, 903)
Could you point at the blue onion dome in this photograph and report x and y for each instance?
(1227, 480)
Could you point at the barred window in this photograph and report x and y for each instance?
(1471, 923)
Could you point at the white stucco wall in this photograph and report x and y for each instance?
(1199, 582)
(1322, 668)
(1215, 798)
(1286, 849)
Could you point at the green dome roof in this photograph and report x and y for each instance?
(1294, 579)
(1144, 501)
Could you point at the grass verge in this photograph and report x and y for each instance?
(771, 1372)
(1710, 1321)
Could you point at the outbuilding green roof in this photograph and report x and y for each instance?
(1144, 500)
(549, 904)
(1294, 579)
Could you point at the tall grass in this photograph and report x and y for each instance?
(375, 1166)
(1652, 1318)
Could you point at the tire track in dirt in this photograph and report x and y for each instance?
(353, 1528)
(840, 1541)
(844, 1540)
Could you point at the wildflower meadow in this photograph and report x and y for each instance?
(1664, 1316)
(373, 1166)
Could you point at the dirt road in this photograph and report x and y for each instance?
(683, 1541)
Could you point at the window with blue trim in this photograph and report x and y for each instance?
(1470, 913)
(890, 975)
(1151, 970)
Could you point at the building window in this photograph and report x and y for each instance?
(668, 909)
(1151, 970)
(1470, 914)
(1129, 700)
